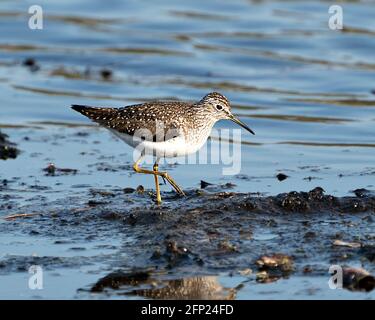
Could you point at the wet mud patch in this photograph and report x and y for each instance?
(181, 248)
(52, 170)
(88, 211)
(7, 149)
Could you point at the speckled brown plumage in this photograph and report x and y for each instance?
(176, 116)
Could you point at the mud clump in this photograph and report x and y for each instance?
(205, 184)
(293, 201)
(175, 254)
(302, 201)
(106, 74)
(31, 64)
(273, 267)
(362, 192)
(276, 261)
(52, 170)
(281, 176)
(358, 279)
(7, 149)
(316, 201)
(128, 190)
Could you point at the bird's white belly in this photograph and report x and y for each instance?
(176, 147)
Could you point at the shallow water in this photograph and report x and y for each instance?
(306, 90)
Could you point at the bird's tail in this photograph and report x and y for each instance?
(94, 113)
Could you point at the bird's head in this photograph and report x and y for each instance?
(219, 107)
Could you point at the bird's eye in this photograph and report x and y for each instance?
(219, 107)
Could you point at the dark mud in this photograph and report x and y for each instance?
(86, 219)
(164, 248)
(7, 149)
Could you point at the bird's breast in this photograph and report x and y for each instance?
(187, 142)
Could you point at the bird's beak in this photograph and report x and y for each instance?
(240, 123)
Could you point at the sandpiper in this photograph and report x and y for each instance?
(164, 129)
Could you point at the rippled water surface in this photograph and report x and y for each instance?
(307, 91)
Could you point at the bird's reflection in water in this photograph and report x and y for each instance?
(200, 288)
(143, 283)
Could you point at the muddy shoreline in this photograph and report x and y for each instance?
(215, 243)
(109, 241)
(205, 234)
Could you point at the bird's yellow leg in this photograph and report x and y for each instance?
(165, 175)
(157, 187)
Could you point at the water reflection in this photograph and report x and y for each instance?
(143, 284)
(200, 288)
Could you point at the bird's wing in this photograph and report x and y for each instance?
(148, 121)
